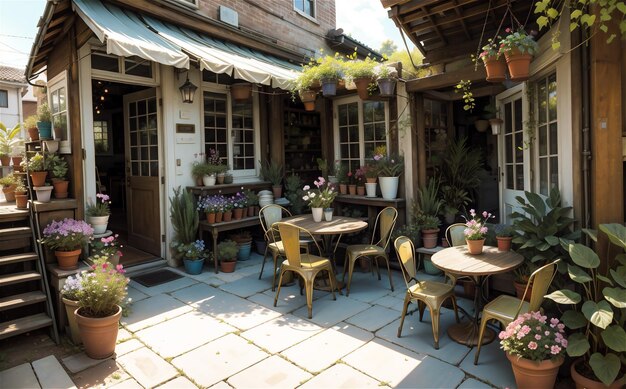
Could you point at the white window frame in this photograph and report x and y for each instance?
(348, 100)
(244, 174)
(536, 157)
(121, 76)
(6, 93)
(304, 14)
(109, 133)
(55, 84)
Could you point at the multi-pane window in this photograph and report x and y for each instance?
(361, 127)
(101, 138)
(547, 135)
(132, 66)
(144, 142)
(4, 98)
(57, 99)
(307, 7)
(514, 145)
(243, 136)
(216, 124)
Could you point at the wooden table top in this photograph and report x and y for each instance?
(457, 260)
(339, 224)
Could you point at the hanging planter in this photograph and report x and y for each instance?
(329, 87)
(386, 86)
(308, 98)
(362, 87)
(496, 125)
(518, 48)
(495, 68)
(481, 125)
(241, 91)
(519, 65)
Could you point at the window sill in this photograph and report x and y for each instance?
(308, 17)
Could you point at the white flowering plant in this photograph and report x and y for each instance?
(532, 336)
(476, 227)
(322, 197)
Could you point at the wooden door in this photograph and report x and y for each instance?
(142, 171)
(513, 152)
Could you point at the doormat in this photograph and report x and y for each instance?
(156, 277)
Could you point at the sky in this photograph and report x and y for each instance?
(365, 20)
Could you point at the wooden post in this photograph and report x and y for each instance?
(421, 139)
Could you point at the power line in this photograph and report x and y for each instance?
(18, 36)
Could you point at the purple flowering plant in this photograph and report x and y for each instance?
(532, 336)
(66, 235)
(72, 287)
(239, 200)
(100, 207)
(476, 227)
(210, 204)
(192, 251)
(322, 197)
(107, 247)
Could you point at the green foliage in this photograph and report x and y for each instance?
(356, 68)
(36, 163)
(387, 47)
(10, 179)
(294, 193)
(519, 40)
(184, 216)
(102, 289)
(540, 229)
(582, 16)
(200, 169)
(428, 202)
(9, 139)
(30, 122)
(410, 230)
(227, 251)
(272, 171)
(429, 222)
(599, 321)
(465, 87)
(408, 70)
(43, 113)
(57, 166)
(460, 170)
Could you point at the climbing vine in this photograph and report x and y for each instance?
(465, 87)
(530, 125)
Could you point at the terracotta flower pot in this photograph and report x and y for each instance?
(241, 91)
(583, 382)
(38, 178)
(504, 243)
(17, 160)
(251, 211)
(21, 201)
(99, 334)
(220, 178)
(370, 180)
(237, 213)
(278, 191)
(520, 287)
(9, 193)
(362, 85)
(68, 260)
(70, 308)
(475, 246)
(228, 215)
(227, 266)
(352, 190)
(210, 217)
(33, 133)
(360, 191)
(60, 189)
(5, 160)
(308, 98)
(429, 238)
(343, 189)
(519, 64)
(219, 216)
(495, 68)
(534, 375)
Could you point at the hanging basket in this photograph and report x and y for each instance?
(362, 87)
(386, 86)
(329, 87)
(241, 91)
(519, 64)
(495, 68)
(308, 98)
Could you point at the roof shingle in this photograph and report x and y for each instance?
(10, 74)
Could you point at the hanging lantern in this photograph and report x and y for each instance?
(496, 125)
(187, 90)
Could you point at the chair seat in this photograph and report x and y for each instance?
(505, 307)
(364, 249)
(277, 246)
(310, 261)
(430, 289)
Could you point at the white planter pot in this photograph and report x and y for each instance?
(99, 223)
(209, 180)
(51, 145)
(43, 193)
(317, 214)
(370, 189)
(389, 187)
(328, 214)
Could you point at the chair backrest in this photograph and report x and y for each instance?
(291, 235)
(454, 234)
(386, 220)
(270, 214)
(405, 251)
(540, 280)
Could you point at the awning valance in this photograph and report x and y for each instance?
(127, 33)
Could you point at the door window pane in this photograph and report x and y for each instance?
(548, 140)
(215, 129)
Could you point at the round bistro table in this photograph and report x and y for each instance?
(459, 262)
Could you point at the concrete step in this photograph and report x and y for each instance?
(22, 299)
(25, 257)
(17, 278)
(24, 324)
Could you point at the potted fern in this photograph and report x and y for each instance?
(185, 220)
(273, 172)
(44, 124)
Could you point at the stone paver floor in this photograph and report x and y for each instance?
(222, 331)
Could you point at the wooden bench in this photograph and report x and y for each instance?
(216, 228)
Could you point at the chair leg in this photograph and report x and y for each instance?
(280, 281)
(308, 287)
(351, 263)
(346, 260)
(275, 258)
(263, 265)
(456, 310)
(481, 332)
(333, 283)
(434, 318)
(375, 263)
(407, 300)
(421, 307)
(389, 273)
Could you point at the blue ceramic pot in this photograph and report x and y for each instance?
(45, 130)
(431, 269)
(329, 87)
(194, 266)
(244, 251)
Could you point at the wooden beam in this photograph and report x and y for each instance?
(468, 13)
(447, 79)
(436, 10)
(421, 139)
(391, 3)
(463, 24)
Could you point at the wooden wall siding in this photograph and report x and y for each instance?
(576, 133)
(271, 26)
(420, 139)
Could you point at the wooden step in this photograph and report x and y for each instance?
(25, 257)
(16, 278)
(24, 324)
(20, 300)
(15, 233)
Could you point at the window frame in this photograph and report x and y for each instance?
(55, 84)
(536, 155)
(360, 110)
(301, 12)
(121, 75)
(109, 138)
(6, 93)
(243, 174)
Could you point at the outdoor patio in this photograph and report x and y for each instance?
(221, 330)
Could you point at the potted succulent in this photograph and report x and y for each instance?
(9, 142)
(100, 299)
(493, 61)
(596, 315)
(98, 213)
(108, 247)
(273, 172)
(184, 218)
(57, 166)
(9, 183)
(21, 196)
(430, 230)
(67, 238)
(518, 48)
(44, 123)
(227, 255)
(37, 168)
(504, 236)
(193, 255)
(31, 126)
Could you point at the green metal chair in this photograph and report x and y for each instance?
(308, 266)
(506, 308)
(424, 293)
(454, 234)
(269, 215)
(385, 222)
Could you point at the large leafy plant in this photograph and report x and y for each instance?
(598, 306)
(538, 229)
(184, 216)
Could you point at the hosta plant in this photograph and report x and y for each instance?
(597, 313)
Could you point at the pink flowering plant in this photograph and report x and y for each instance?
(107, 247)
(387, 165)
(100, 207)
(102, 289)
(322, 197)
(66, 235)
(476, 227)
(532, 336)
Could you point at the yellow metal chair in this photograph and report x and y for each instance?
(506, 308)
(308, 266)
(424, 293)
(454, 234)
(385, 222)
(269, 215)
